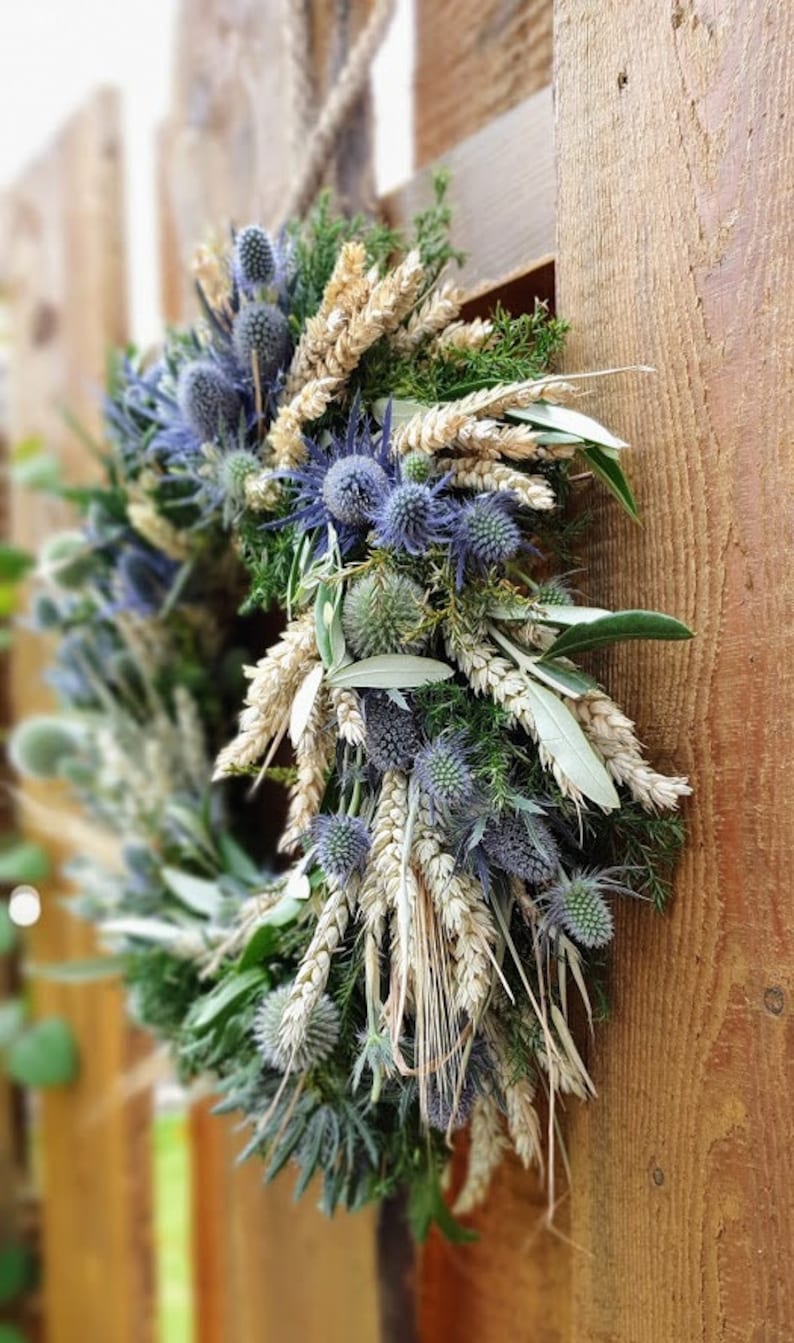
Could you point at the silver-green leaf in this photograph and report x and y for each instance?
(561, 735)
(391, 671)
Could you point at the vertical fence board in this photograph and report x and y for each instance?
(66, 298)
(676, 173)
(475, 59)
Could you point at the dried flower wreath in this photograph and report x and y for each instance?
(465, 803)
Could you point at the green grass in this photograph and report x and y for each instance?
(172, 1229)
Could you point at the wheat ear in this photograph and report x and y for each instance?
(315, 967)
(486, 1149)
(612, 734)
(472, 473)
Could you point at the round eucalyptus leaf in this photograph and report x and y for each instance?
(45, 1055)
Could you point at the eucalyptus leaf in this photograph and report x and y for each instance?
(399, 671)
(225, 995)
(13, 1016)
(561, 735)
(23, 861)
(611, 474)
(304, 702)
(44, 1055)
(14, 563)
(567, 680)
(615, 628)
(402, 410)
(77, 971)
(202, 896)
(570, 615)
(567, 421)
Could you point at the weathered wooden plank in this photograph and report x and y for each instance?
(676, 188)
(502, 193)
(475, 59)
(66, 294)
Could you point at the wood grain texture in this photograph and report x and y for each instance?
(65, 289)
(676, 187)
(502, 193)
(224, 151)
(513, 1284)
(475, 59)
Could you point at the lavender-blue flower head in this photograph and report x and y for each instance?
(444, 773)
(343, 843)
(523, 845)
(352, 489)
(143, 580)
(254, 259)
(341, 483)
(577, 904)
(486, 533)
(393, 737)
(260, 335)
(207, 400)
(414, 516)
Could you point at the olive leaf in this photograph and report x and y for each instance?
(615, 628)
(561, 735)
(398, 671)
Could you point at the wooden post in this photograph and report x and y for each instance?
(676, 190)
(66, 294)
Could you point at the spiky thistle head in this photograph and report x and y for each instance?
(449, 1112)
(554, 592)
(416, 466)
(413, 516)
(353, 488)
(39, 746)
(254, 258)
(577, 904)
(208, 402)
(260, 336)
(343, 843)
(142, 580)
(393, 737)
(383, 613)
(486, 533)
(520, 843)
(319, 1040)
(444, 773)
(234, 469)
(340, 483)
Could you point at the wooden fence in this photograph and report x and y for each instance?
(660, 217)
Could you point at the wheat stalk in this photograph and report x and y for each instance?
(462, 911)
(273, 682)
(440, 307)
(466, 336)
(612, 734)
(349, 718)
(438, 426)
(346, 290)
(486, 1148)
(312, 976)
(519, 1094)
(472, 473)
(380, 893)
(314, 753)
(157, 530)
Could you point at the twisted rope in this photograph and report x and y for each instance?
(339, 104)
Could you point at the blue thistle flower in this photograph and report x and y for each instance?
(207, 400)
(352, 488)
(143, 580)
(414, 516)
(444, 774)
(340, 484)
(577, 904)
(261, 332)
(254, 258)
(393, 737)
(383, 612)
(486, 533)
(343, 843)
(320, 1037)
(523, 845)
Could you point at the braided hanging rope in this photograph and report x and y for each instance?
(340, 102)
(297, 45)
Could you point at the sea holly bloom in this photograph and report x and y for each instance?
(343, 843)
(444, 773)
(341, 484)
(577, 904)
(486, 533)
(414, 516)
